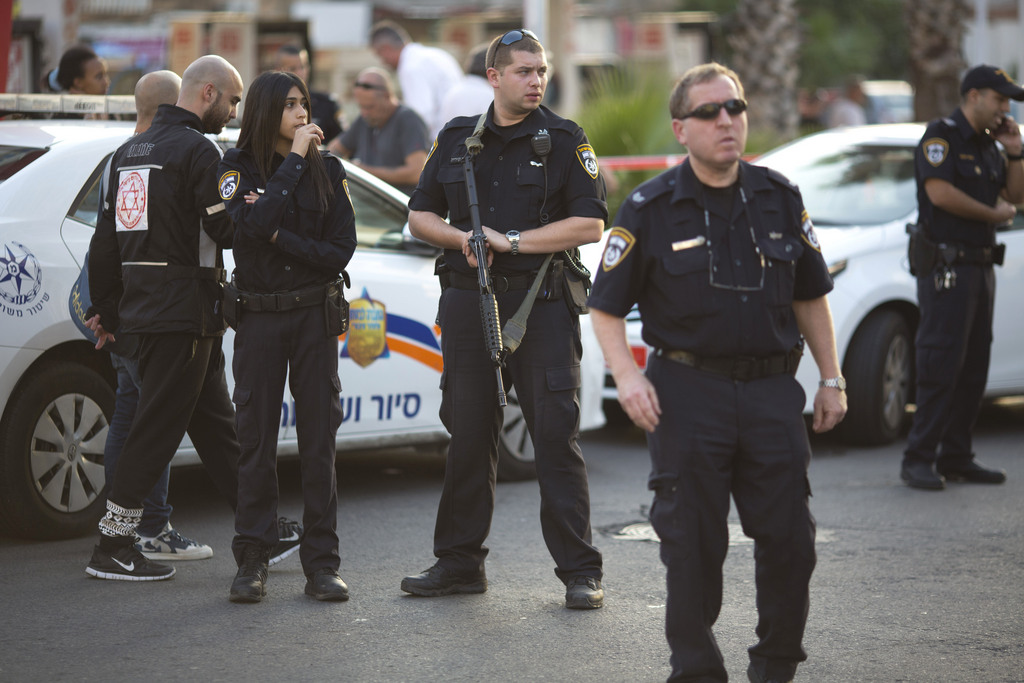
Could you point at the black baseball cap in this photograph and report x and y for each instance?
(985, 76)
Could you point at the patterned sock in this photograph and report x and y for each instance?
(119, 521)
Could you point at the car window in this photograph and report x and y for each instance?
(377, 215)
(87, 204)
(13, 159)
(852, 184)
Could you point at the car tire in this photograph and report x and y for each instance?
(515, 447)
(879, 371)
(52, 483)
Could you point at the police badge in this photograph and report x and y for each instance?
(588, 159)
(935, 150)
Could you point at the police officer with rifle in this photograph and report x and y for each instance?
(539, 197)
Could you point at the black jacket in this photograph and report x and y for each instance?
(312, 246)
(155, 260)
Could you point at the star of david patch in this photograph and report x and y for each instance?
(131, 203)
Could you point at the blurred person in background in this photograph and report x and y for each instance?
(848, 109)
(473, 94)
(388, 140)
(425, 74)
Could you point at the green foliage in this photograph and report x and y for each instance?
(625, 112)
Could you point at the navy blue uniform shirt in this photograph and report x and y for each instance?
(510, 181)
(312, 247)
(697, 275)
(953, 151)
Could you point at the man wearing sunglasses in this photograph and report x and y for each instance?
(721, 258)
(388, 139)
(539, 194)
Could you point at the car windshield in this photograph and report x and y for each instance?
(13, 159)
(849, 183)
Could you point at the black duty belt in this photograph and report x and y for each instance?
(982, 256)
(501, 283)
(739, 368)
(283, 301)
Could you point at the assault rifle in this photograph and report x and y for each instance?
(488, 304)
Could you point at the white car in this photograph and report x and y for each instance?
(57, 392)
(858, 187)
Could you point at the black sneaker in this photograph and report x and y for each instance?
(584, 592)
(326, 584)
(250, 584)
(289, 536)
(440, 581)
(126, 564)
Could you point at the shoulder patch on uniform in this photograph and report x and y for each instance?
(431, 152)
(935, 150)
(228, 184)
(585, 153)
(620, 242)
(344, 183)
(807, 229)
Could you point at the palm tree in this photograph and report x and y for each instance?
(936, 29)
(765, 38)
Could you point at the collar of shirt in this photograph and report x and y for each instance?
(689, 188)
(173, 114)
(535, 121)
(964, 127)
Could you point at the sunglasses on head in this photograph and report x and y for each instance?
(513, 37)
(710, 110)
(367, 86)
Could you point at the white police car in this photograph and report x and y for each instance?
(56, 391)
(858, 187)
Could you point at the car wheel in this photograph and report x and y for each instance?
(51, 453)
(878, 368)
(515, 447)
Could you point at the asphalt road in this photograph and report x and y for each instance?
(910, 585)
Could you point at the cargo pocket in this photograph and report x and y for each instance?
(246, 423)
(666, 510)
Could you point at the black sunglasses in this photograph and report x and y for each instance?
(710, 110)
(513, 37)
(367, 86)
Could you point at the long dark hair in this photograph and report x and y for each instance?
(261, 126)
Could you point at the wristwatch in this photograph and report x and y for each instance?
(513, 238)
(834, 383)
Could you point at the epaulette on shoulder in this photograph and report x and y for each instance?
(948, 121)
(652, 189)
(780, 179)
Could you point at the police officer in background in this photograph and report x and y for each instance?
(722, 259)
(965, 188)
(539, 194)
(323, 108)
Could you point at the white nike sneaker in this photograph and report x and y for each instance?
(170, 545)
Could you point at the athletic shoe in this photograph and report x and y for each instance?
(170, 545)
(126, 564)
(289, 536)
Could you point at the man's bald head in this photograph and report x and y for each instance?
(152, 90)
(211, 89)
